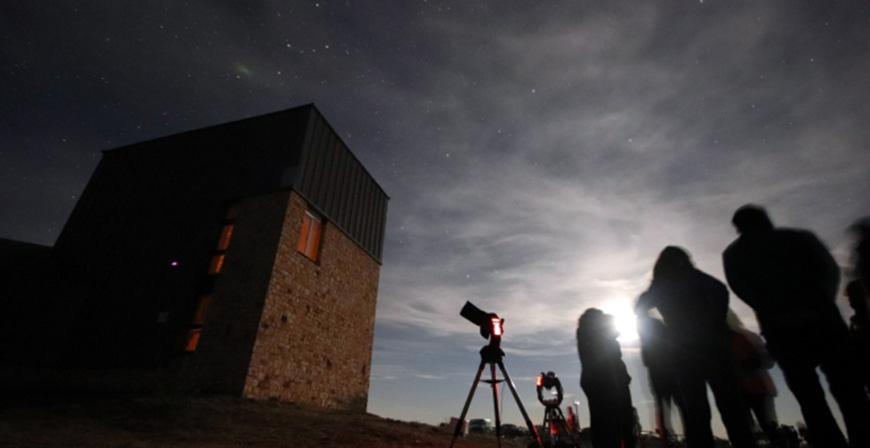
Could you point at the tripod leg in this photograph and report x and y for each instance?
(547, 427)
(467, 403)
(495, 404)
(510, 383)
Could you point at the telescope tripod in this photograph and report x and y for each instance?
(492, 354)
(555, 425)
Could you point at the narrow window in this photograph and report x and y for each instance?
(201, 308)
(309, 238)
(224, 240)
(196, 326)
(214, 268)
(217, 262)
(192, 339)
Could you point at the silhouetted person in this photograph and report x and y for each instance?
(752, 362)
(571, 421)
(859, 328)
(694, 306)
(861, 230)
(604, 379)
(790, 279)
(656, 352)
(858, 293)
(790, 436)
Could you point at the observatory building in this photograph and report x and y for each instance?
(243, 258)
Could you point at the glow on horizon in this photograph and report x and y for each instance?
(623, 315)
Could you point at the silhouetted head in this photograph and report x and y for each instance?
(751, 218)
(594, 321)
(590, 317)
(672, 261)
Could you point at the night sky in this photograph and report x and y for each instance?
(538, 155)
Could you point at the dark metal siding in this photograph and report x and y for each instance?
(339, 186)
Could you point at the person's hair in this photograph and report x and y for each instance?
(672, 260)
(590, 317)
(751, 218)
(595, 322)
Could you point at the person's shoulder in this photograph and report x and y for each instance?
(797, 237)
(733, 247)
(738, 251)
(791, 232)
(707, 278)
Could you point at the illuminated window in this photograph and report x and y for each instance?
(192, 339)
(193, 333)
(224, 240)
(199, 317)
(309, 238)
(217, 262)
(214, 268)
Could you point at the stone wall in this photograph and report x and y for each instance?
(229, 330)
(314, 342)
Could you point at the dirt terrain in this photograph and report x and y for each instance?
(134, 422)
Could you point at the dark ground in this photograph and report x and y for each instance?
(134, 422)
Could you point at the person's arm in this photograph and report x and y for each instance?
(644, 304)
(718, 294)
(828, 269)
(738, 278)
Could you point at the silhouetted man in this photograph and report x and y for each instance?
(859, 328)
(694, 306)
(790, 279)
(861, 229)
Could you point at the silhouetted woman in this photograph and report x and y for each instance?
(604, 379)
(694, 306)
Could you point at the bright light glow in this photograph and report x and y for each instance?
(624, 318)
(496, 326)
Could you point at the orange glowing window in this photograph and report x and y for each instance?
(217, 262)
(201, 308)
(192, 339)
(226, 233)
(309, 238)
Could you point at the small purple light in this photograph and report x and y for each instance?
(174, 263)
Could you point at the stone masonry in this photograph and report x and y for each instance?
(314, 341)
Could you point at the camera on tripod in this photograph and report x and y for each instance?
(491, 326)
(550, 382)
